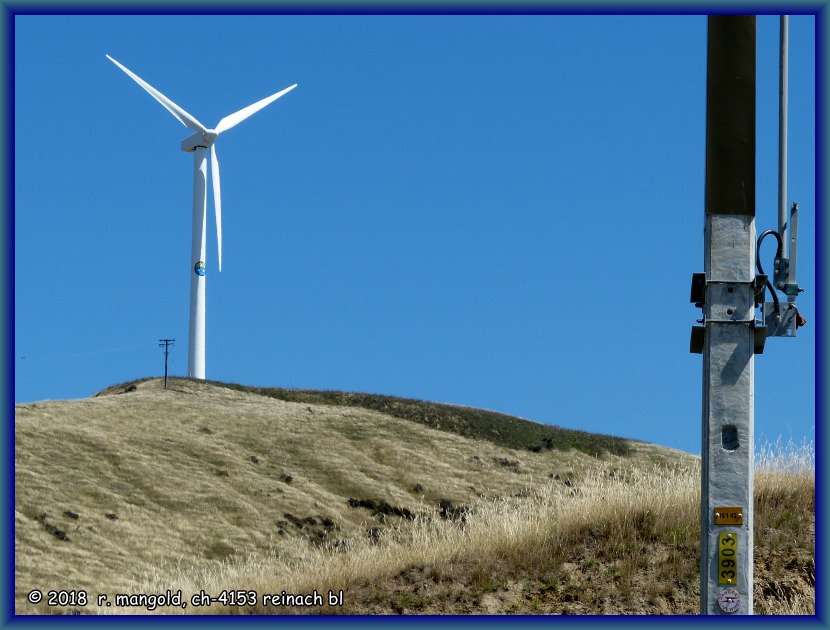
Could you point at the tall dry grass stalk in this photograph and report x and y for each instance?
(785, 528)
(786, 460)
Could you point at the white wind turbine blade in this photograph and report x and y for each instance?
(186, 119)
(234, 119)
(217, 199)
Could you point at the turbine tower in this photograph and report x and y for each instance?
(198, 144)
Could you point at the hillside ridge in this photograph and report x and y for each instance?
(499, 428)
(410, 507)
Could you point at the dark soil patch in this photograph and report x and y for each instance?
(381, 508)
(57, 533)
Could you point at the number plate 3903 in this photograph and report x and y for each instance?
(728, 558)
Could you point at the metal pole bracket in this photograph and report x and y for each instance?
(781, 319)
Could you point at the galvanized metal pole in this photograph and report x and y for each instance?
(783, 82)
(727, 454)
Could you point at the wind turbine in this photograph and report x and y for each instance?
(198, 144)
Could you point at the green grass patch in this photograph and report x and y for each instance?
(498, 428)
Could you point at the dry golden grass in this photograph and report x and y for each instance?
(511, 539)
(785, 529)
(619, 544)
(213, 489)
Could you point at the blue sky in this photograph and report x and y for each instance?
(496, 211)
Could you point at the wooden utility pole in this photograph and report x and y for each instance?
(166, 343)
(728, 331)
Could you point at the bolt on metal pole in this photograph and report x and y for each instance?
(727, 453)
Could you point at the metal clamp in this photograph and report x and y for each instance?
(728, 313)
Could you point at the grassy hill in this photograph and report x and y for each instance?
(405, 506)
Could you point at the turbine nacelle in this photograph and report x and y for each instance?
(199, 139)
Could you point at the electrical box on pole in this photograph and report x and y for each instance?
(732, 286)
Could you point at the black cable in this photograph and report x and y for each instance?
(778, 254)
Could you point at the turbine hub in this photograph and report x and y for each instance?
(199, 139)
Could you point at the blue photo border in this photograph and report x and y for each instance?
(8, 11)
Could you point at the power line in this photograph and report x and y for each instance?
(73, 355)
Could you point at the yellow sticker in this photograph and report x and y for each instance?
(729, 516)
(728, 558)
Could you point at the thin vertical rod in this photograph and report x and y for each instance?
(793, 248)
(783, 82)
